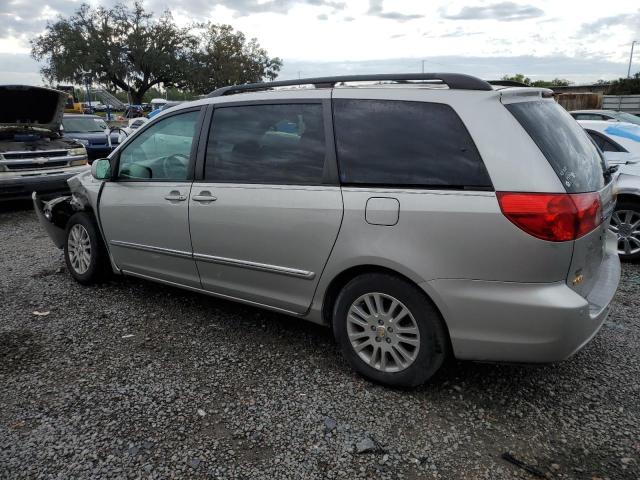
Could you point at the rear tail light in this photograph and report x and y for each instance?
(557, 217)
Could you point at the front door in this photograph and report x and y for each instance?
(267, 211)
(145, 211)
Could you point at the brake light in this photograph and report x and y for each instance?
(557, 217)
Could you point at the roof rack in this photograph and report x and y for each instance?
(455, 81)
(507, 83)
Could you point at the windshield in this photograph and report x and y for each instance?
(570, 151)
(83, 125)
(627, 117)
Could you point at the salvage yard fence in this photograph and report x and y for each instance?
(622, 103)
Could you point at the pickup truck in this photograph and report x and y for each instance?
(34, 156)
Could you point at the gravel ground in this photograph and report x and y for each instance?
(136, 380)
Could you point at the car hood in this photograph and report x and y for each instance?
(35, 107)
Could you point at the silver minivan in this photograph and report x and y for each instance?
(419, 216)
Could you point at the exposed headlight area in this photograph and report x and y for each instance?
(77, 151)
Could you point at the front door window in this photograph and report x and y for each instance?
(162, 151)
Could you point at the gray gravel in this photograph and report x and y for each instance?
(136, 380)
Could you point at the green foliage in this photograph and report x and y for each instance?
(625, 86)
(519, 77)
(226, 57)
(127, 48)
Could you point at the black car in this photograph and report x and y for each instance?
(90, 130)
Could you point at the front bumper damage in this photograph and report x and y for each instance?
(45, 214)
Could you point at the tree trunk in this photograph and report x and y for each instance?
(137, 96)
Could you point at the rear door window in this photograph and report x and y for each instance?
(268, 144)
(406, 144)
(563, 142)
(604, 143)
(587, 116)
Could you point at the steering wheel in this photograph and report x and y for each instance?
(175, 166)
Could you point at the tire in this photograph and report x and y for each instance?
(82, 231)
(622, 225)
(422, 327)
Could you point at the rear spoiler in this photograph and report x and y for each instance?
(524, 94)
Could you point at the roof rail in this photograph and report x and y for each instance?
(507, 83)
(455, 81)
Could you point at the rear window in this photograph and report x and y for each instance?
(408, 144)
(564, 143)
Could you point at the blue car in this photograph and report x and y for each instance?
(90, 130)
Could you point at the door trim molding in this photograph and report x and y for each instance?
(149, 248)
(293, 272)
(264, 267)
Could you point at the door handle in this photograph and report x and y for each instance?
(175, 196)
(204, 197)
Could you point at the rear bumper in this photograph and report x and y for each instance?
(46, 185)
(523, 322)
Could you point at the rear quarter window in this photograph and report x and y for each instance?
(563, 142)
(406, 144)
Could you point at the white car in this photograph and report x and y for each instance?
(134, 124)
(610, 115)
(620, 142)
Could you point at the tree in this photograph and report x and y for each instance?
(518, 77)
(625, 86)
(556, 82)
(121, 47)
(226, 57)
(126, 48)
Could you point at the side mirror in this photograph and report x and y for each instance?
(101, 169)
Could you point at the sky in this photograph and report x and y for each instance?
(582, 41)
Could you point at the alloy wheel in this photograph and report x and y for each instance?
(383, 332)
(626, 225)
(79, 248)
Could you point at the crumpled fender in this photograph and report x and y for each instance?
(53, 215)
(56, 233)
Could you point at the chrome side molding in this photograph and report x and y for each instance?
(149, 248)
(292, 272)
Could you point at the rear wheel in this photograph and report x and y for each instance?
(625, 223)
(84, 252)
(389, 331)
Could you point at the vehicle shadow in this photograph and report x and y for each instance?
(12, 206)
(300, 335)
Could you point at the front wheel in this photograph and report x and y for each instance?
(84, 253)
(625, 223)
(389, 331)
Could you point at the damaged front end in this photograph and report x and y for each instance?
(54, 214)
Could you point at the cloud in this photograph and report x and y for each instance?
(244, 8)
(458, 32)
(579, 69)
(19, 69)
(323, 16)
(584, 68)
(502, 11)
(375, 9)
(630, 20)
(23, 18)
